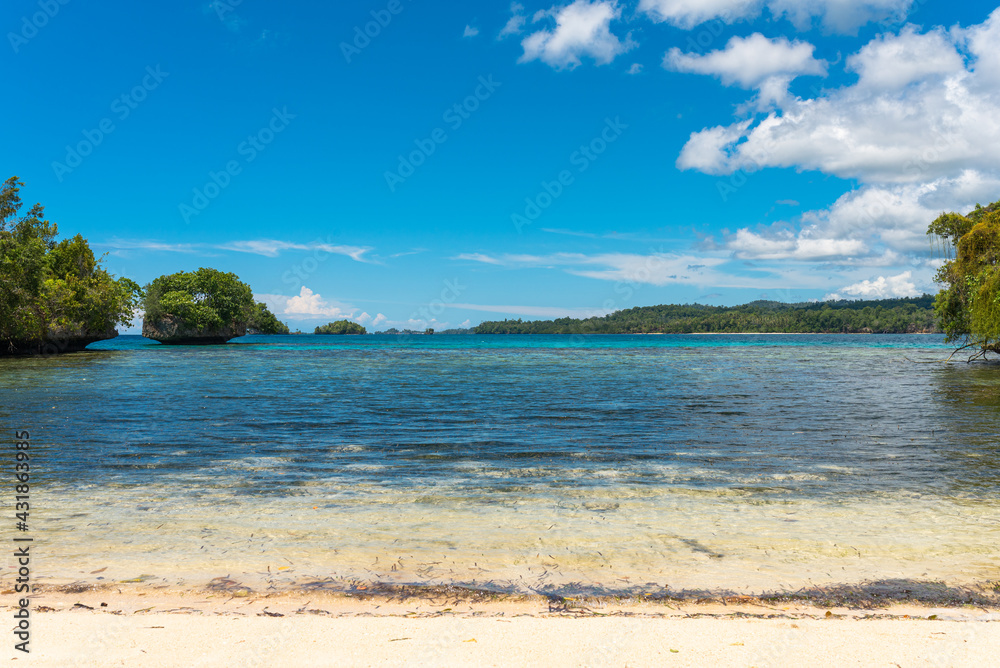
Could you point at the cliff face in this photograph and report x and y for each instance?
(172, 331)
(58, 343)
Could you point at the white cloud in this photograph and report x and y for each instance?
(898, 215)
(893, 61)
(265, 247)
(272, 248)
(148, 245)
(470, 31)
(516, 22)
(653, 269)
(689, 13)
(419, 323)
(582, 29)
(883, 287)
(870, 226)
(709, 151)
(477, 257)
(415, 251)
(369, 321)
(748, 61)
(635, 69)
(917, 133)
(748, 245)
(703, 270)
(842, 16)
(981, 42)
(309, 305)
(873, 226)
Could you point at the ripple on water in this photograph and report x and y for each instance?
(741, 463)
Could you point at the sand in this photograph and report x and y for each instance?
(212, 629)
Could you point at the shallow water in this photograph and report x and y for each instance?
(530, 463)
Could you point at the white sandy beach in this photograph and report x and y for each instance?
(194, 629)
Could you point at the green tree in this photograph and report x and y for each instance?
(887, 316)
(205, 302)
(264, 322)
(341, 327)
(54, 296)
(968, 308)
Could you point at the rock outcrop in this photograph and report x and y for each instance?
(54, 345)
(171, 330)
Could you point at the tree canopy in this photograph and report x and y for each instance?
(54, 295)
(341, 327)
(203, 301)
(968, 308)
(887, 316)
(264, 322)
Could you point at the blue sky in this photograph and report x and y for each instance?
(412, 164)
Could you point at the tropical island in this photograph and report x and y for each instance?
(341, 327)
(967, 310)
(887, 316)
(56, 297)
(206, 306)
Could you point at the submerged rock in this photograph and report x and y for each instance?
(173, 331)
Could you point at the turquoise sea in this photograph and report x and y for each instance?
(561, 464)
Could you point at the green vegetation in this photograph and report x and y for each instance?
(887, 316)
(341, 327)
(969, 308)
(262, 321)
(202, 300)
(54, 296)
(204, 306)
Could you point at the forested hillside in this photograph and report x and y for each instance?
(887, 316)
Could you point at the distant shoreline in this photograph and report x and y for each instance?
(908, 315)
